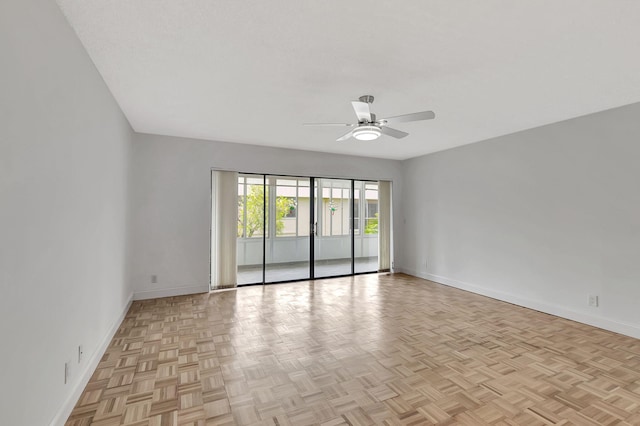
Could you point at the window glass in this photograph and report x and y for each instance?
(250, 207)
(371, 214)
(356, 211)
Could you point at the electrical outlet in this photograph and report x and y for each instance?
(593, 300)
(80, 353)
(154, 279)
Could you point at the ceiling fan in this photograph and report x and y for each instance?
(369, 127)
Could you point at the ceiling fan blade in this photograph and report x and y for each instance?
(416, 116)
(362, 111)
(393, 132)
(345, 136)
(328, 124)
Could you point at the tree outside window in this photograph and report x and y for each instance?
(371, 220)
(251, 212)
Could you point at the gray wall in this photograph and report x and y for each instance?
(541, 218)
(65, 149)
(172, 193)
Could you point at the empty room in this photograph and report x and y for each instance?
(319, 213)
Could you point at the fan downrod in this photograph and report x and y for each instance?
(366, 98)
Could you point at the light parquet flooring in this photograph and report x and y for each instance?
(371, 349)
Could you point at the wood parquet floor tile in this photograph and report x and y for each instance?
(372, 349)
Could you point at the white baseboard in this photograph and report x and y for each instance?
(63, 414)
(168, 292)
(627, 329)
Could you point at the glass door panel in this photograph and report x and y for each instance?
(250, 257)
(295, 228)
(288, 238)
(332, 241)
(366, 226)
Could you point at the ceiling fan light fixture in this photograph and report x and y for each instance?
(367, 133)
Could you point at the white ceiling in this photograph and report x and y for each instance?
(253, 71)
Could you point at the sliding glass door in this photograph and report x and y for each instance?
(332, 239)
(366, 226)
(252, 196)
(294, 228)
(288, 237)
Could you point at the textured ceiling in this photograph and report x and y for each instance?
(253, 71)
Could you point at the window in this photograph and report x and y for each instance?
(371, 213)
(288, 209)
(356, 211)
(372, 208)
(292, 207)
(286, 202)
(251, 206)
(336, 206)
(284, 199)
(365, 203)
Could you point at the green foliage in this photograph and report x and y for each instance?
(254, 214)
(371, 227)
(282, 209)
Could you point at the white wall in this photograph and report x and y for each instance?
(541, 218)
(64, 157)
(171, 187)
